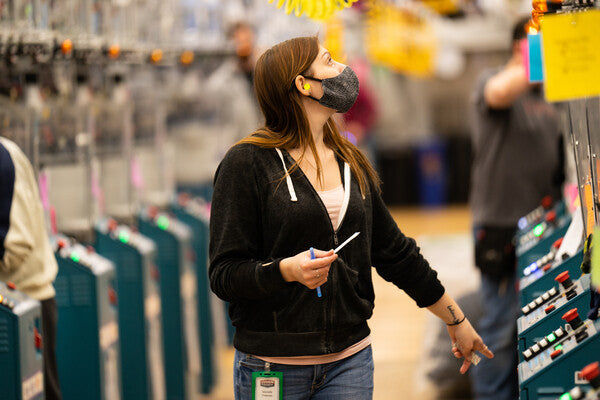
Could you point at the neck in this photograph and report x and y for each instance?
(317, 118)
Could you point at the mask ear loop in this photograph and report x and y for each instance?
(307, 88)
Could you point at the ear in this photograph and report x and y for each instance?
(302, 85)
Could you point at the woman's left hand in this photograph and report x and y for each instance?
(465, 341)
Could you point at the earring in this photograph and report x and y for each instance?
(306, 86)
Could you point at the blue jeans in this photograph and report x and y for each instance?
(350, 378)
(496, 378)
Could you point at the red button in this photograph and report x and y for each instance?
(555, 354)
(183, 199)
(557, 244)
(547, 202)
(570, 315)
(591, 371)
(112, 296)
(563, 276)
(152, 211)
(61, 243)
(11, 285)
(112, 225)
(551, 216)
(546, 267)
(37, 339)
(550, 308)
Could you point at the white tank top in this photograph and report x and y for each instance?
(333, 200)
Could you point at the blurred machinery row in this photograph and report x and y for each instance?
(123, 142)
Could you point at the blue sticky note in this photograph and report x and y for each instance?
(536, 73)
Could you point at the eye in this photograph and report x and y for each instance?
(330, 61)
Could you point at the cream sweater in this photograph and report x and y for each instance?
(26, 258)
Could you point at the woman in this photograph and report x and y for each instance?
(294, 185)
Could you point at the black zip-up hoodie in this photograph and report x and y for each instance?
(257, 220)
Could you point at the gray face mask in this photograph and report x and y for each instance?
(339, 92)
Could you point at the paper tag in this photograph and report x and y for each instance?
(571, 58)
(574, 236)
(534, 57)
(267, 385)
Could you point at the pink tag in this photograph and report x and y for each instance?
(53, 221)
(137, 179)
(571, 196)
(97, 192)
(43, 186)
(525, 56)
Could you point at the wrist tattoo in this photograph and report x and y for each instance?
(455, 320)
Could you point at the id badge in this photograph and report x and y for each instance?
(267, 385)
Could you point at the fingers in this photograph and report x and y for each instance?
(465, 365)
(486, 352)
(323, 253)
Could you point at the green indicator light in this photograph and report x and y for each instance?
(124, 236)
(538, 230)
(551, 337)
(558, 347)
(75, 257)
(565, 396)
(163, 222)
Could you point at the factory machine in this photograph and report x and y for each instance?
(133, 254)
(154, 184)
(20, 345)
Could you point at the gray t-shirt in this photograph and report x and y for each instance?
(515, 156)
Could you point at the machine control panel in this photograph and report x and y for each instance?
(535, 216)
(590, 374)
(543, 263)
(82, 255)
(541, 231)
(552, 300)
(127, 235)
(166, 222)
(556, 344)
(195, 206)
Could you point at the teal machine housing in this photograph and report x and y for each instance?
(20, 346)
(191, 211)
(536, 243)
(140, 319)
(88, 324)
(541, 213)
(178, 301)
(538, 320)
(556, 368)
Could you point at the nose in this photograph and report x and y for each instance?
(340, 66)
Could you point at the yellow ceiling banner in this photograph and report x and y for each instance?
(400, 39)
(570, 44)
(315, 9)
(334, 39)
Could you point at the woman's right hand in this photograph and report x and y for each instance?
(311, 273)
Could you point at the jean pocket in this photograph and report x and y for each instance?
(252, 362)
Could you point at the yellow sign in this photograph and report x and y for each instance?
(400, 39)
(589, 206)
(595, 270)
(571, 44)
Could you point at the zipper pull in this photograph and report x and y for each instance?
(268, 366)
(335, 239)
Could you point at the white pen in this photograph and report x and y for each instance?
(355, 234)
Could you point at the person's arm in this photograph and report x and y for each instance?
(464, 338)
(502, 89)
(16, 242)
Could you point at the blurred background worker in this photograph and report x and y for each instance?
(517, 161)
(26, 258)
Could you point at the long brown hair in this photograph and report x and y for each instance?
(286, 124)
